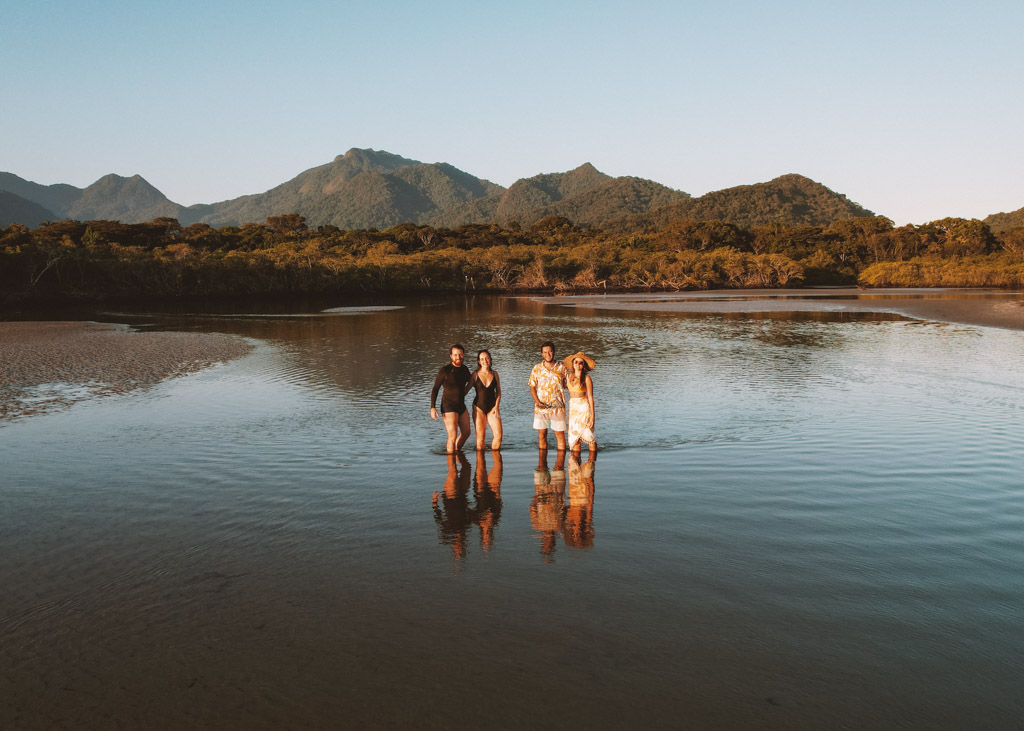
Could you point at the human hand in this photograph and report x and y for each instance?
(433, 413)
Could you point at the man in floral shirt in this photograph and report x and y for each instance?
(547, 386)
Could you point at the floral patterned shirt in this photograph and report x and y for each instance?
(550, 385)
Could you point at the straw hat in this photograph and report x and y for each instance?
(586, 359)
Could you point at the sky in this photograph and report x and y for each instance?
(912, 109)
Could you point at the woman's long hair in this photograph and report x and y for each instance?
(583, 373)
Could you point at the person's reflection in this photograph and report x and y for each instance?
(487, 511)
(578, 529)
(451, 508)
(547, 506)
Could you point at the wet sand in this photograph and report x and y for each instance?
(50, 365)
(968, 307)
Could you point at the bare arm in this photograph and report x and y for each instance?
(590, 400)
(497, 390)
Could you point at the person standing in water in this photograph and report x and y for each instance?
(581, 401)
(486, 401)
(454, 377)
(547, 386)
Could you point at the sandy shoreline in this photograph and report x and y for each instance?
(967, 307)
(50, 365)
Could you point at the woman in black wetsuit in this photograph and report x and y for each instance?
(454, 377)
(485, 404)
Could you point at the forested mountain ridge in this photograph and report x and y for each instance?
(584, 195)
(15, 209)
(57, 198)
(112, 197)
(791, 199)
(360, 189)
(365, 189)
(1000, 222)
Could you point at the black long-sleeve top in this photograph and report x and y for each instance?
(456, 384)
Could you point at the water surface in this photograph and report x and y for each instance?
(804, 520)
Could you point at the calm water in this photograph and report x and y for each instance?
(802, 521)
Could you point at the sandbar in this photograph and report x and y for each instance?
(50, 365)
(986, 308)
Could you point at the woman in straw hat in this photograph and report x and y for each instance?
(581, 401)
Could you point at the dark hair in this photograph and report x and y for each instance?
(548, 344)
(457, 345)
(481, 353)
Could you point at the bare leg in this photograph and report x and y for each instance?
(451, 424)
(542, 438)
(480, 424)
(463, 429)
(494, 420)
(560, 439)
(494, 476)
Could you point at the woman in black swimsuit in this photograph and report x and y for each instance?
(454, 377)
(485, 405)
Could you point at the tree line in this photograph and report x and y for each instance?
(283, 256)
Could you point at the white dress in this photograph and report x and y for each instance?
(579, 417)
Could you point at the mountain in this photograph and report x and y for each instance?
(377, 189)
(999, 222)
(584, 195)
(57, 198)
(15, 209)
(791, 199)
(115, 198)
(360, 189)
(112, 197)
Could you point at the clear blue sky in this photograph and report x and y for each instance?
(912, 109)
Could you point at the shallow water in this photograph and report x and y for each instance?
(803, 521)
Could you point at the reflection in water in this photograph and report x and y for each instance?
(548, 504)
(845, 546)
(452, 511)
(488, 498)
(451, 507)
(578, 531)
(556, 508)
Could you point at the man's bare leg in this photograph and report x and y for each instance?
(451, 425)
(463, 428)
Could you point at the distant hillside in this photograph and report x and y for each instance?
(115, 198)
(791, 199)
(999, 222)
(360, 189)
(376, 189)
(611, 200)
(15, 209)
(584, 195)
(57, 198)
(112, 197)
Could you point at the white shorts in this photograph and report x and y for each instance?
(549, 420)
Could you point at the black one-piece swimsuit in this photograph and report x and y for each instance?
(486, 396)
